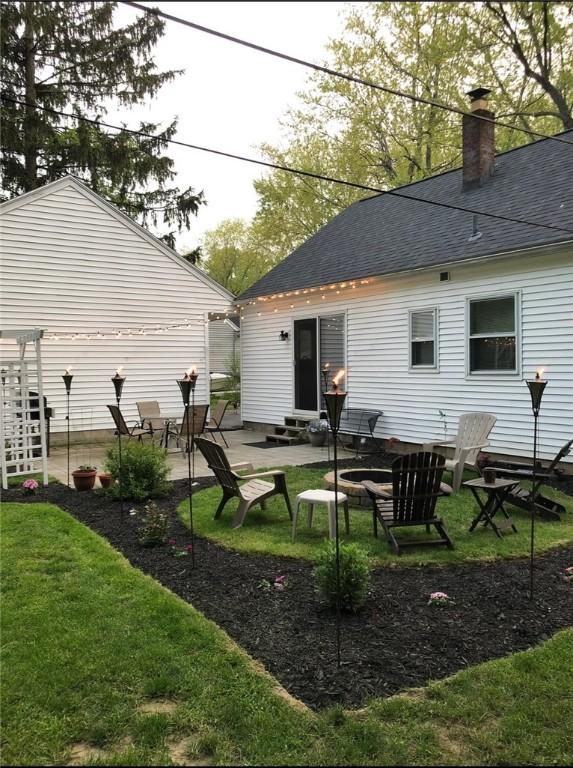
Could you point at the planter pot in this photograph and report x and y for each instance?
(84, 481)
(317, 438)
(105, 480)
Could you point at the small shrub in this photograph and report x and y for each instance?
(144, 470)
(154, 529)
(354, 575)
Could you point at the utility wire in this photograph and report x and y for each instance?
(336, 73)
(286, 168)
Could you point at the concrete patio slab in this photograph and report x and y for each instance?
(238, 451)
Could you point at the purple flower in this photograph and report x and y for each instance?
(172, 542)
(30, 484)
(189, 547)
(280, 579)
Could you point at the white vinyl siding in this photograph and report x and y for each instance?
(493, 339)
(423, 339)
(377, 351)
(70, 263)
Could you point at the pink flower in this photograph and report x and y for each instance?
(30, 484)
(189, 547)
(439, 598)
(279, 586)
(172, 542)
(280, 579)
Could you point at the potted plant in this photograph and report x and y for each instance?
(317, 430)
(104, 479)
(84, 477)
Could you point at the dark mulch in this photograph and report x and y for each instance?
(395, 642)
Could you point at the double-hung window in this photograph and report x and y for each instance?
(423, 339)
(493, 334)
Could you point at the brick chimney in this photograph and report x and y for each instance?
(478, 141)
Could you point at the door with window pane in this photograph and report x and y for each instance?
(332, 347)
(305, 365)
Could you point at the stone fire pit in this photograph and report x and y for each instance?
(350, 482)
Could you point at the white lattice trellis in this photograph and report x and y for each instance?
(22, 419)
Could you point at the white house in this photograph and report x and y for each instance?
(107, 293)
(430, 308)
(224, 343)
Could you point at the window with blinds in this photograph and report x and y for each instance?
(423, 333)
(493, 334)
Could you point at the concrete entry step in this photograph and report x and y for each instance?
(290, 439)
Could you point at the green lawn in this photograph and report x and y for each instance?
(269, 532)
(100, 661)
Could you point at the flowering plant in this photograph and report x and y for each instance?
(279, 584)
(567, 574)
(30, 486)
(317, 425)
(180, 551)
(440, 598)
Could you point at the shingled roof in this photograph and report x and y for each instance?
(382, 235)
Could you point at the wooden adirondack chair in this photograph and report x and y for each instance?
(255, 491)
(473, 431)
(416, 487)
(523, 497)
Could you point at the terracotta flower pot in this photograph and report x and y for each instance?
(105, 479)
(84, 480)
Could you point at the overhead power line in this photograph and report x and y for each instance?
(336, 73)
(286, 168)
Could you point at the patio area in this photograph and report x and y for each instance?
(239, 450)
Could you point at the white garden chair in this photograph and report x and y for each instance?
(473, 431)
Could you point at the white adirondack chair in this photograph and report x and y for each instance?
(473, 431)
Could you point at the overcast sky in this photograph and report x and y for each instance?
(231, 98)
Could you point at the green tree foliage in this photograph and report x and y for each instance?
(69, 56)
(232, 257)
(437, 51)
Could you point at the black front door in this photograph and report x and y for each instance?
(305, 365)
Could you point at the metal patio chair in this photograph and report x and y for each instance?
(255, 491)
(416, 487)
(198, 419)
(122, 427)
(471, 438)
(214, 424)
(150, 416)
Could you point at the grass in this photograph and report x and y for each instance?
(102, 662)
(269, 532)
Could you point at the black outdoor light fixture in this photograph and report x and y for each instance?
(118, 382)
(334, 404)
(67, 377)
(187, 387)
(536, 387)
(283, 335)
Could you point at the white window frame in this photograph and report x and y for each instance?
(434, 367)
(516, 296)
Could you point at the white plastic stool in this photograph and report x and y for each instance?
(320, 496)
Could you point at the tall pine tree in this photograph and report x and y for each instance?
(69, 56)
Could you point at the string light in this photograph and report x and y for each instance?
(132, 331)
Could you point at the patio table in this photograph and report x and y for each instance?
(495, 495)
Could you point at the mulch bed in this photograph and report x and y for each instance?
(397, 641)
